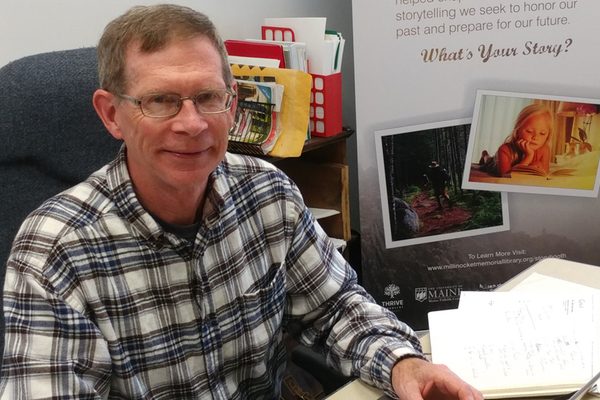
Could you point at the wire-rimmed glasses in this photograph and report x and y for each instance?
(162, 105)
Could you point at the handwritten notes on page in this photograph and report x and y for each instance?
(524, 343)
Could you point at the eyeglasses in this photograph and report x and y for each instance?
(161, 105)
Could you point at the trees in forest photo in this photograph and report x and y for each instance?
(420, 204)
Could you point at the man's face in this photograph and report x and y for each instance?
(179, 151)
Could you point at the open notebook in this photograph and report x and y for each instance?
(523, 342)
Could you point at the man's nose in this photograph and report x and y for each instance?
(191, 119)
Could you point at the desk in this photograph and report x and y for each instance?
(583, 274)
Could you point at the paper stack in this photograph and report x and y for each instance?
(541, 338)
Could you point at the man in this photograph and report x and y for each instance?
(438, 177)
(174, 271)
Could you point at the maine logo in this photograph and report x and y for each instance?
(421, 294)
(438, 294)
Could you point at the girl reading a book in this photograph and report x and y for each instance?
(527, 146)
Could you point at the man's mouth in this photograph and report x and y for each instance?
(186, 153)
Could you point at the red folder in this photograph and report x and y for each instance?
(247, 48)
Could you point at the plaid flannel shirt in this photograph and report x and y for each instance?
(101, 302)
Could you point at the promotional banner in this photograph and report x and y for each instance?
(478, 141)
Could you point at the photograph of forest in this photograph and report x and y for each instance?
(420, 173)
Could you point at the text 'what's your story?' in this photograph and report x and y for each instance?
(488, 52)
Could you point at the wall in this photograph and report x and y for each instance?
(33, 26)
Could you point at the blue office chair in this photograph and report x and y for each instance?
(50, 135)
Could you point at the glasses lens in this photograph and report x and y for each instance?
(213, 101)
(160, 105)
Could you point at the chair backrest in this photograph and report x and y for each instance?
(50, 135)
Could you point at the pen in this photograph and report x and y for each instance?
(585, 388)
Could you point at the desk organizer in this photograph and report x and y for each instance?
(326, 105)
(326, 92)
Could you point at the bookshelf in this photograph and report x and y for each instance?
(321, 173)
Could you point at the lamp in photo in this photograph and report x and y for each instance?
(576, 127)
(586, 111)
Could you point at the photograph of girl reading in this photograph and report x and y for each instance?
(526, 146)
(530, 144)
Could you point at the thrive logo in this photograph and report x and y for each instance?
(391, 291)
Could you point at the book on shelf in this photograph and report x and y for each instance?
(553, 172)
(521, 344)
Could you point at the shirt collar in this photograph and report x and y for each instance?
(120, 185)
(128, 205)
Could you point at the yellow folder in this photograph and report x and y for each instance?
(295, 108)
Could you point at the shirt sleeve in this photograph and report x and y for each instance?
(52, 350)
(359, 337)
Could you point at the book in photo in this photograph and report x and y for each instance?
(420, 172)
(531, 143)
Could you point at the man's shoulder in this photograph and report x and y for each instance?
(243, 167)
(241, 164)
(78, 206)
(246, 173)
(59, 218)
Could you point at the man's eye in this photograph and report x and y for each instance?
(206, 97)
(212, 97)
(161, 99)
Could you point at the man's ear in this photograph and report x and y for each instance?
(104, 103)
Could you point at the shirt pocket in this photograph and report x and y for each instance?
(259, 316)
